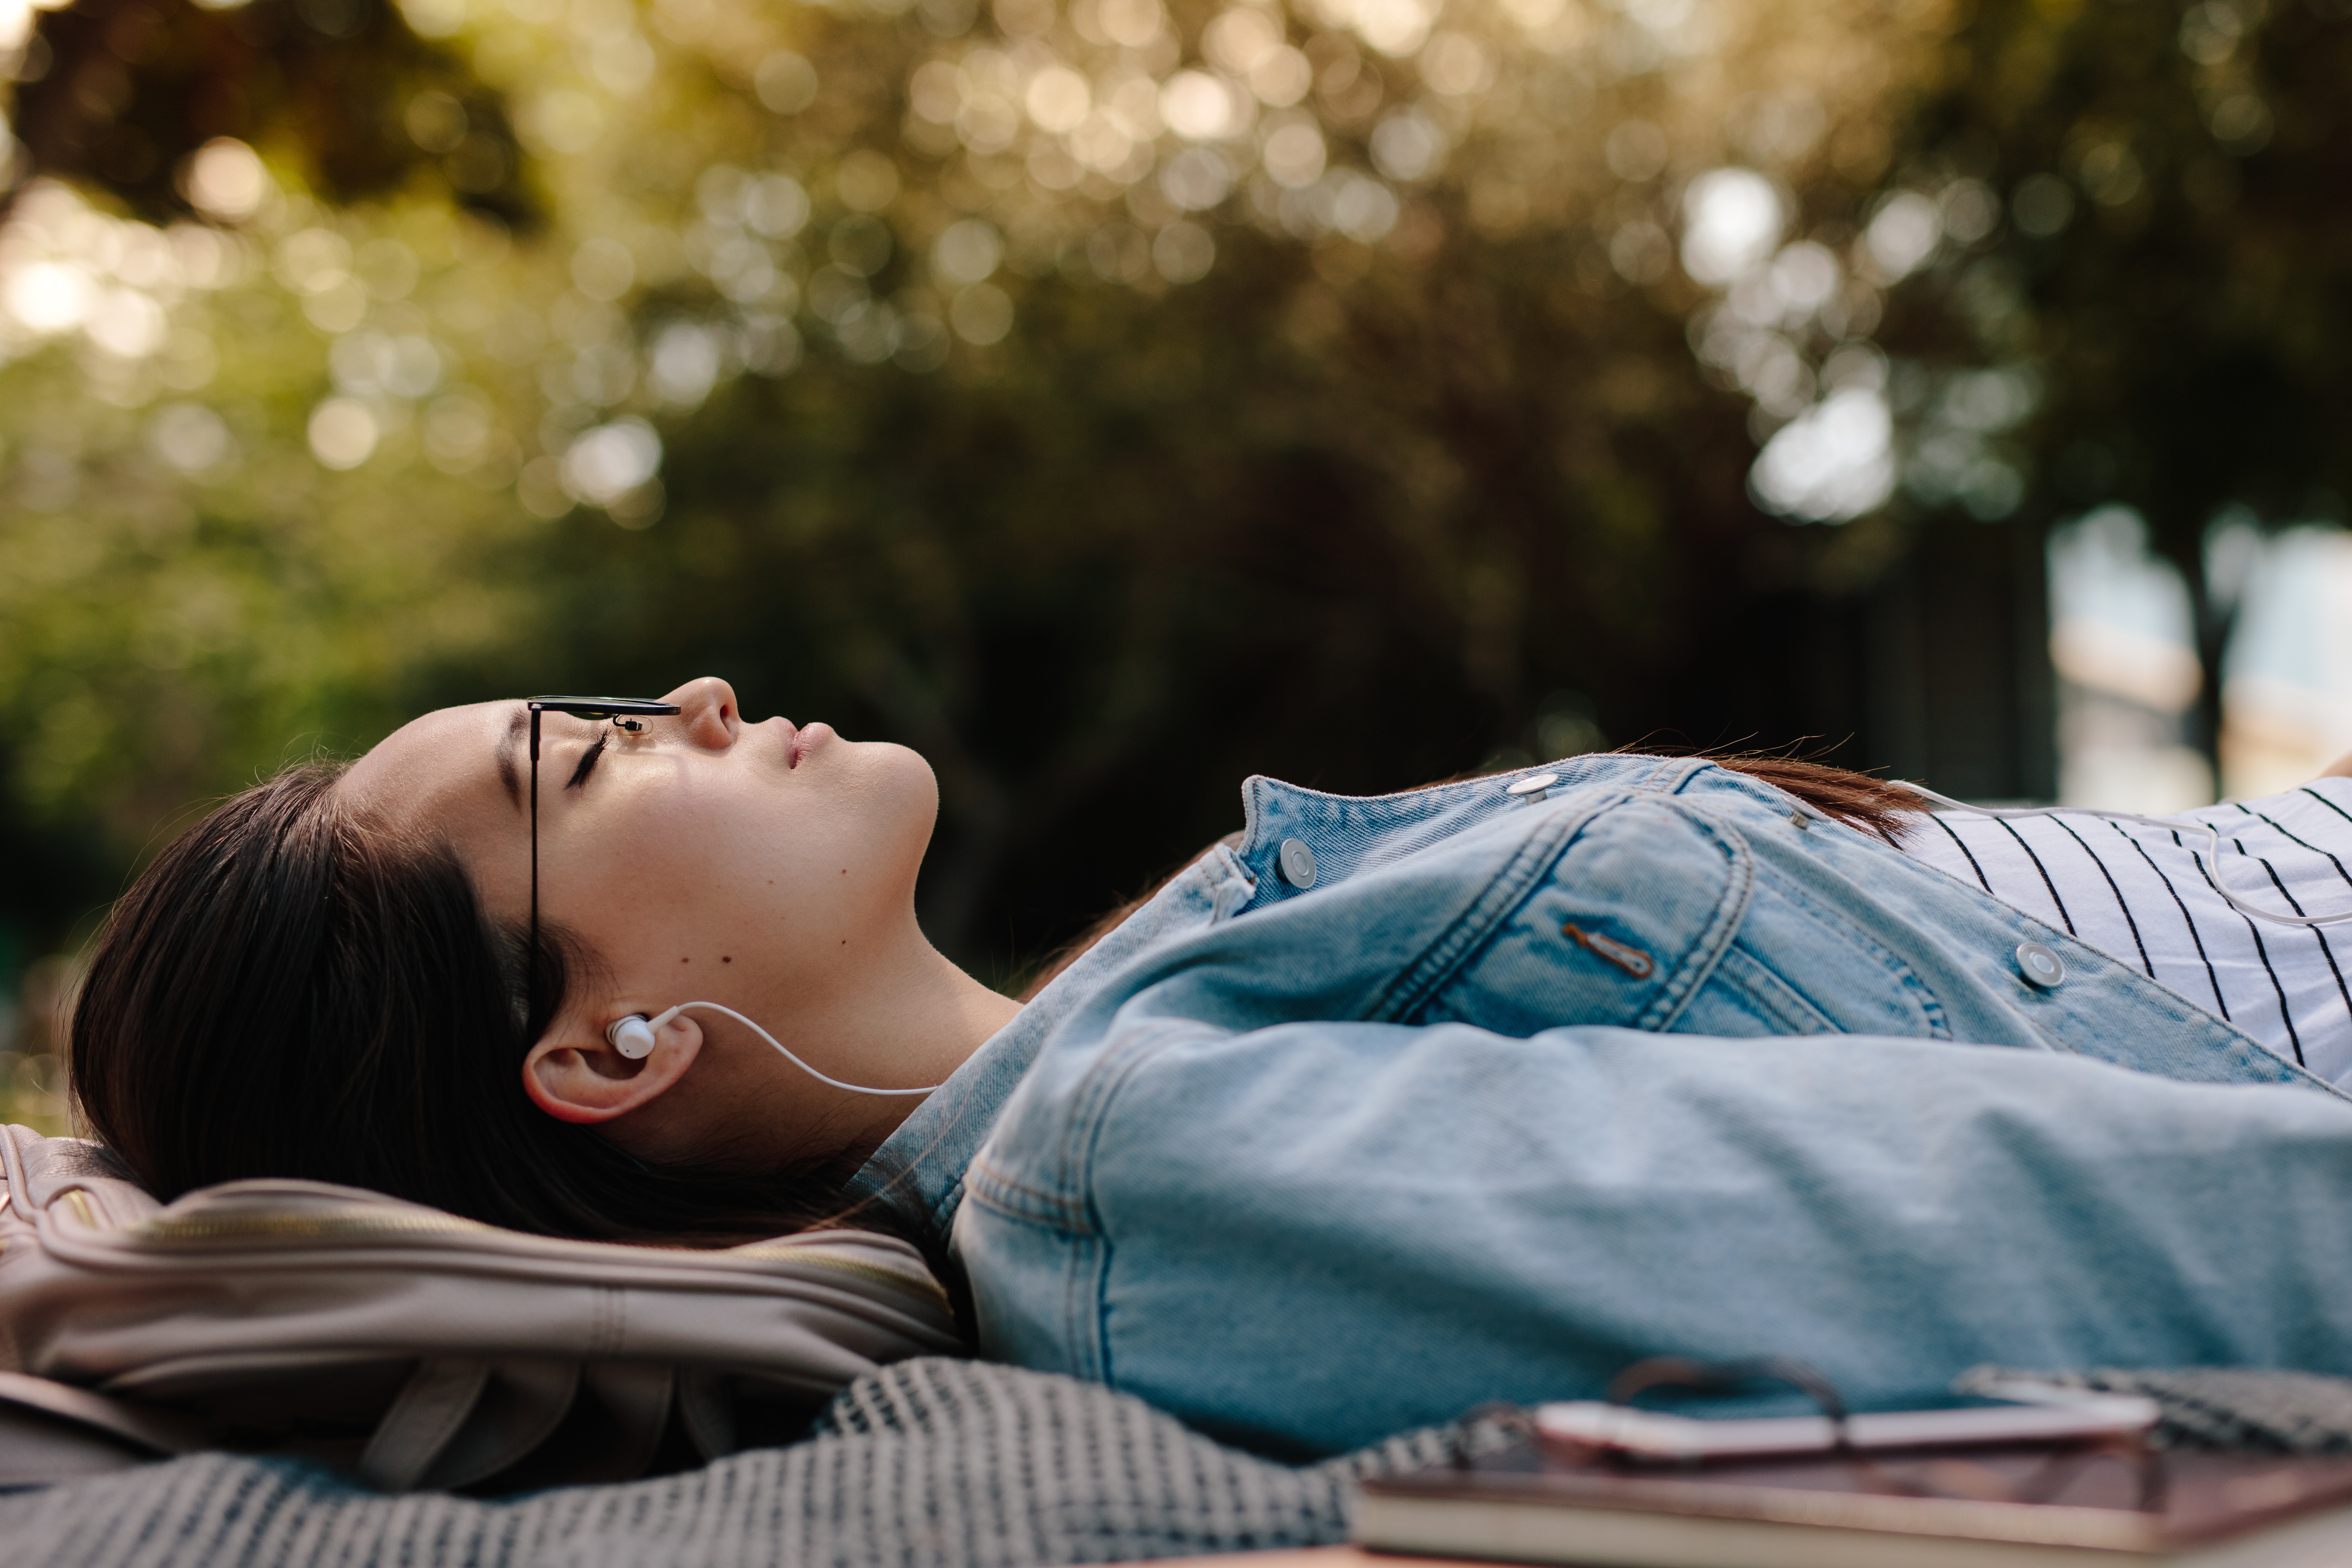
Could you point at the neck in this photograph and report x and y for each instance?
(904, 1020)
(916, 1023)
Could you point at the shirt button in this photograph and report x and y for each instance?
(1296, 862)
(1533, 788)
(2040, 966)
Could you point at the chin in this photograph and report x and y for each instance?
(902, 789)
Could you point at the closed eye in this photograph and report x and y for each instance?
(587, 763)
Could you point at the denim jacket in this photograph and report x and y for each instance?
(1518, 1089)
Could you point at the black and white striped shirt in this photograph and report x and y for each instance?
(2140, 895)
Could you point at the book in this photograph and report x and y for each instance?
(2053, 1415)
(1990, 1501)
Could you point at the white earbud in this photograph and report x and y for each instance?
(633, 1037)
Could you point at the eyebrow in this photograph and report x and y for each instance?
(508, 775)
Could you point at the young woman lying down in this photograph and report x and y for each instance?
(1379, 1109)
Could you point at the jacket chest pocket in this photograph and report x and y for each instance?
(1808, 963)
(1659, 916)
(1636, 914)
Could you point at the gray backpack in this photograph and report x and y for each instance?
(410, 1347)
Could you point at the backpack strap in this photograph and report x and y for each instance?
(706, 1405)
(39, 1171)
(51, 1431)
(425, 1419)
(523, 1405)
(15, 1189)
(459, 1420)
(636, 1397)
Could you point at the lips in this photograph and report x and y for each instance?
(807, 739)
(803, 740)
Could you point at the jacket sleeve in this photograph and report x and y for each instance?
(1307, 1236)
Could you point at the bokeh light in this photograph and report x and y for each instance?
(1112, 136)
(1605, 230)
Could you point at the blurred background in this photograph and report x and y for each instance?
(1112, 398)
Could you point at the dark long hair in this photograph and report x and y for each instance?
(291, 991)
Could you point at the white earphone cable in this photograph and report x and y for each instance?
(2213, 840)
(853, 1088)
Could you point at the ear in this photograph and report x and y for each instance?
(573, 1074)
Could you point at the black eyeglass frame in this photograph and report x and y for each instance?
(625, 712)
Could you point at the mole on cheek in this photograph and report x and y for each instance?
(724, 959)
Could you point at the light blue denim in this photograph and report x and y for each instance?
(1307, 1167)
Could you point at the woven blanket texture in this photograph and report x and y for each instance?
(2223, 1408)
(927, 1464)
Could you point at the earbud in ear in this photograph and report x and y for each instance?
(633, 1037)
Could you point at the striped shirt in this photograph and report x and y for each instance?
(2140, 895)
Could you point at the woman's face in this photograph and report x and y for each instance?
(756, 865)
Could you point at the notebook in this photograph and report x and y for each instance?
(2078, 1498)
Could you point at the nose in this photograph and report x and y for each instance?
(707, 709)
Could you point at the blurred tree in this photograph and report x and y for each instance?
(2131, 259)
(1106, 401)
(124, 92)
(1353, 537)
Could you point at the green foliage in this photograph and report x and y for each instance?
(187, 595)
(1410, 460)
(122, 91)
(32, 1055)
(1146, 548)
(2167, 272)
(1107, 402)
(2164, 263)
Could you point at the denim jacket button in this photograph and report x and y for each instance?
(2040, 966)
(1296, 863)
(1533, 787)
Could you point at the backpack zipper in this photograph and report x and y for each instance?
(237, 1227)
(922, 1289)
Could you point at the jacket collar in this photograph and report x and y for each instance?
(920, 1168)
